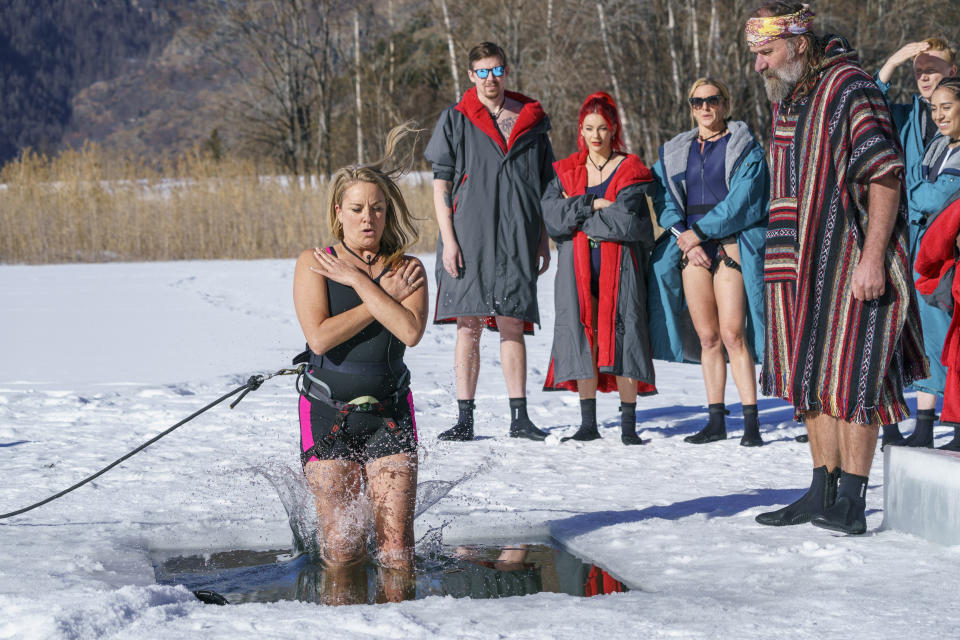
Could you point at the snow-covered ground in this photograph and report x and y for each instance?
(95, 359)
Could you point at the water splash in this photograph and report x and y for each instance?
(297, 499)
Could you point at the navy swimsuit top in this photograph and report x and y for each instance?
(706, 179)
(598, 190)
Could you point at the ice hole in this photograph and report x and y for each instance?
(464, 571)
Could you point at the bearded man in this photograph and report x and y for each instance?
(843, 333)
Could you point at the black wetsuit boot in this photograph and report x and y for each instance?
(588, 422)
(847, 513)
(463, 430)
(628, 423)
(821, 494)
(716, 428)
(953, 445)
(891, 435)
(520, 425)
(751, 427)
(922, 435)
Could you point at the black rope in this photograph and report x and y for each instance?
(252, 384)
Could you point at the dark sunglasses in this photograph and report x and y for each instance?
(483, 73)
(713, 101)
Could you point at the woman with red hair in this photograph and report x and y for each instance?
(595, 210)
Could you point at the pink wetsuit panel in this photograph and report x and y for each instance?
(413, 416)
(306, 430)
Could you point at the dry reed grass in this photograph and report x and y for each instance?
(90, 206)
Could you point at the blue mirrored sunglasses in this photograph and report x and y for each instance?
(483, 73)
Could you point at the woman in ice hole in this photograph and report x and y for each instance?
(595, 209)
(712, 200)
(361, 303)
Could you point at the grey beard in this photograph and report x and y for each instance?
(781, 83)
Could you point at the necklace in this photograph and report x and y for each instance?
(496, 115)
(709, 138)
(368, 261)
(605, 163)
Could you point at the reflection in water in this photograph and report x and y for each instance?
(463, 572)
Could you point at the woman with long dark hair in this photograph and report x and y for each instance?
(595, 210)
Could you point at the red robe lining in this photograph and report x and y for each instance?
(934, 258)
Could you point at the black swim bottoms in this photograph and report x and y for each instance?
(361, 438)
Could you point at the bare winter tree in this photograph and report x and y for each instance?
(282, 53)
(297, 91)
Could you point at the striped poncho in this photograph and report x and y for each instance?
(826, 351)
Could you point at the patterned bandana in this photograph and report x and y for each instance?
(760, 31)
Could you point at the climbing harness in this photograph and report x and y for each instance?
(252, 384)
(381, 411)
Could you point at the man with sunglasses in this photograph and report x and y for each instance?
(492, 160)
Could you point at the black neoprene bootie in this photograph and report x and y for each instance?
(922, 435)
(751, 427)
(716, 428)
(588, 422)
(891, 436)
(821, 494)
(463, 430)
(953, 445)
(847, 513)
(520, 424)
(628, 424)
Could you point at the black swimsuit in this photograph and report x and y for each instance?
(367, 364)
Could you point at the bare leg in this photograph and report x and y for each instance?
(731, 300)
(466, 358)
(926, 401)
(344, 584)
(857, 444)
(513, 356)
(628, 389)
(393, 492)
(337, 487)
(698, 288)
(395, 585)
(824, 439)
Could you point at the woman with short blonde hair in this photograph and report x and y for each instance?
(712, 200)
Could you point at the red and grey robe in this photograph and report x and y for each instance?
(497, 186)
(825, 351)
(626, 234)
(936, 257)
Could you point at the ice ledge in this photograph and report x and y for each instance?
(921, 493)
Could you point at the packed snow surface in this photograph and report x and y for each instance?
(95, 359)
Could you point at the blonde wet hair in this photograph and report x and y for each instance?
(400, 231)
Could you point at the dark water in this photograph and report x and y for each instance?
(461, 572)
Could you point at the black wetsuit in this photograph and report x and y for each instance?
(368, 364)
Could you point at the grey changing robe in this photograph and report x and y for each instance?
(497, 186)
(626, 234)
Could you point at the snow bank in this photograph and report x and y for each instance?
(95, 359)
